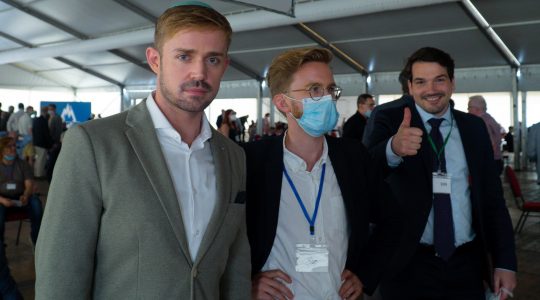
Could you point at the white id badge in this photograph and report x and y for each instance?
(11, 186)
(311, 258)
(16, 203)
(492, 296)
(442, 183)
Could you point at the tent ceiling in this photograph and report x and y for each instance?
(379, 40)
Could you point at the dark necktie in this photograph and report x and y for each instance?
(443, 225)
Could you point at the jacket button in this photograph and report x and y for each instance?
(194, 272)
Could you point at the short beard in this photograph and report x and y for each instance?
(195, 104)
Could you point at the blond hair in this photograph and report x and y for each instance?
(183, 17)
(283, 67)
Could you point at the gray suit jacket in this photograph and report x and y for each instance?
(112, 227)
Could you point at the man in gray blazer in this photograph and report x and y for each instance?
(149, 203)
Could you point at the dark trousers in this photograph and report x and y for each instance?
(53, 156)
(428, 276)
(8, 287)
(500, 166)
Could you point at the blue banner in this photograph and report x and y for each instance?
(72, 112)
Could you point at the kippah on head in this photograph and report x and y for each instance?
(191, 3)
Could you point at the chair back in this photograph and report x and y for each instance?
(514, 186)
(16, 214)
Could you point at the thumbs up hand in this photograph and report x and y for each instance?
(408, 139)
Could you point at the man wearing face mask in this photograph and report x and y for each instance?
(354, 127)
(307, 225)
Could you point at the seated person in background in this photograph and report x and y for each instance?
(16, 187)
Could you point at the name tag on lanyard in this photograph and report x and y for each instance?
(311, 258)
(442, 183)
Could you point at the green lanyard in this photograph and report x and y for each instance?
(440, 151)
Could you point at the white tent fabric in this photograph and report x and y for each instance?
(95, 44)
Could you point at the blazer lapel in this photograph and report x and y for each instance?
(223, 181)
(467, 139)
(273, 179)
(142, 136)
(469, 142)
(341, 169)
(345, 179)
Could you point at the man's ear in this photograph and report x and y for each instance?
(153, 59)
(281, 103)
(227, 61)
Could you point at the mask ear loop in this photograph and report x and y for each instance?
(290, 112)
(295, 118)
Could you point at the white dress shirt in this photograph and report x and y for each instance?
(13, 121)
(24, 125)
(193, 174)
(331, 227)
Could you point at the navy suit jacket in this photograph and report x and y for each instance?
(354, 127)
(371, 120)
(367, 254)
(411, 184)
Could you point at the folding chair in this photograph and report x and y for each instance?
(526, 207)
(16, 214)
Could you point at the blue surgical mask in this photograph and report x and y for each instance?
(9, 157)
(319, 117)
(367, 114)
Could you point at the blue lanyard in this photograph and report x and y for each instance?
(311, 220)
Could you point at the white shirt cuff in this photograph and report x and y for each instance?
(393, 159)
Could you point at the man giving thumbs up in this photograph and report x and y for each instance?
(439, 161)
